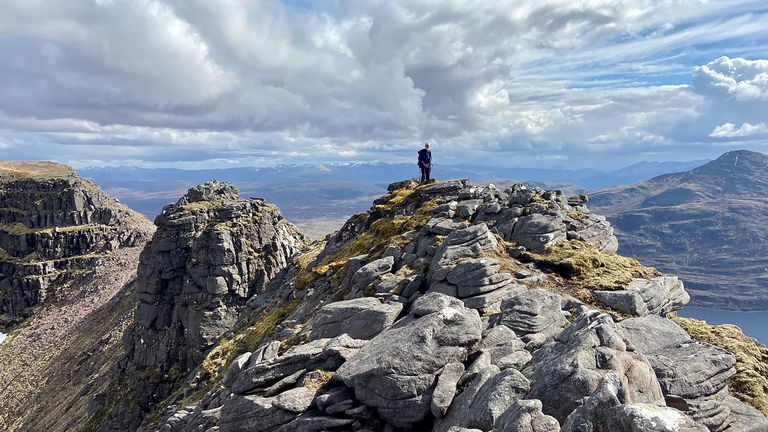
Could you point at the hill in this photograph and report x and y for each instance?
(706, 225)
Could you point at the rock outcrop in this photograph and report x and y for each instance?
(212, 251)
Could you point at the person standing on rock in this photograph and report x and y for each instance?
(425, 163)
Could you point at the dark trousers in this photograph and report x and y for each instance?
(425, 169)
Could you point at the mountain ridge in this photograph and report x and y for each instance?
(704, 224)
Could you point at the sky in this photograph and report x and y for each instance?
(536, 83)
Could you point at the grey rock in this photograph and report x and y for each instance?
(434, 302)
(526, 416)
(461, 405)
(326, 354)
(492, 300)
(442, 188)
(593, 229)
(252, 414)
(657, 296)
(395, 371)
(445, 226)
(234, 369)
(651, 333)
(482, 362)
(296, 400)
(469, 242)
(361, 318)
(576, 361)
(332, 397)
(196, 274)
(650, 418)
(538, 232)
(467, 208)
(368, 273)
(533, 311)
(445, 388)
(743, 417)
(496, 394)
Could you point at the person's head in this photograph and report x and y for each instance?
(426, 145)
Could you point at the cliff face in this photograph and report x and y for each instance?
(54, 226)
(68, 253)
(455, 307)
(211, 252)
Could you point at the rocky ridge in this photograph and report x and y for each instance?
(446, 307)
(54, 228)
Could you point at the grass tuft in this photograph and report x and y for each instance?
(247, 339)
(749, 384)
(582, 263)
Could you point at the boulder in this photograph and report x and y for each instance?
(396, 371)
(526, 416)
(649, 418)
(657, 296)
(361, 318)
(533, 312)
(296, 400)
(469, 242)
(368, 273)
(327, 354)
(445, 388)
(538, 232)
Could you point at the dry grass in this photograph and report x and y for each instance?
(397, 230)
(18, 228)
(302, 261)
(247, 339)
(202, 205)
(749, 384)
(589, 268)
(37, 169)
(323, 379)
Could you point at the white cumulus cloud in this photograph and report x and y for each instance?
(729, 130)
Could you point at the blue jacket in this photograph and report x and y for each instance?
(425, 157)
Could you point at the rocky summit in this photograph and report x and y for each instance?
(447, 307)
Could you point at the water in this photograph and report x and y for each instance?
(2, 337)
(753, 323)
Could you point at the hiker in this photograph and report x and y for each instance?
(425, 163)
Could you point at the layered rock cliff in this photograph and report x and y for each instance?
(54, 227)
(456, 307)
(69, 253)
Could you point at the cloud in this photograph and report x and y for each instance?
(744, 80)
(729, 130)
(147, 81)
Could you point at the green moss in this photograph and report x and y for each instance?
(749, 384)
(246, 339)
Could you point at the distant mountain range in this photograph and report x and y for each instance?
(335, 191)
(707, 225)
